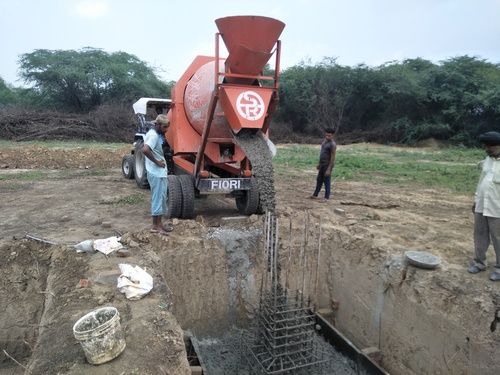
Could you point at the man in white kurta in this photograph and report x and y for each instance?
(487, 207)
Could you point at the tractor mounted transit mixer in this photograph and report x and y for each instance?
(219, 115)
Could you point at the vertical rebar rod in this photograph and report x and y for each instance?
(317, 264)
(266, 252)
(303, 267)
(276, 251)
(270, 253)
(304, 277)
(289, 255)
(307, 227)
(273, 259)
(261, 291)
(301, 255)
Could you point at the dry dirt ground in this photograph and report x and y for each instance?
(74, 195)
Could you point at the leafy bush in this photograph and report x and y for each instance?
(425, 131)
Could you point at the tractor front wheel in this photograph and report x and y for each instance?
(140, 173)
(174, 197)
(128, 166)
(187, 188)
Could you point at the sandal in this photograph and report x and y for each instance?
(159, 231)
(168, 228)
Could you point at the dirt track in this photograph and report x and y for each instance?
(74, 192)
(72, 204)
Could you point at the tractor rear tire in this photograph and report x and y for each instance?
(128, 167)
(248, 202)
(140, 174)
(174, 197)
(187, 187)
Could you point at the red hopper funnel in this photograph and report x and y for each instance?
(249, 41)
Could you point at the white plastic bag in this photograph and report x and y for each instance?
(134, 281)
(108, 245)
(86, 246)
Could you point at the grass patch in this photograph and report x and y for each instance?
(444, 155)
(295, 159)
(15, 186)
(58, 145)
(453, 168)
(23, 176)
(88, 172)
(127, 200)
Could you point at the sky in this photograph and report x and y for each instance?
(168, 34)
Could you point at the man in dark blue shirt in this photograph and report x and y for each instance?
(325, 165)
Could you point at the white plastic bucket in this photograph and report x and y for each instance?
(100, 334)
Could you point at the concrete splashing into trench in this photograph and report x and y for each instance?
(241, 282)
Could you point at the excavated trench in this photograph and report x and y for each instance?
(208, 282)
(410, 320)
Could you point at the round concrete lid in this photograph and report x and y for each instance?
(422, 259)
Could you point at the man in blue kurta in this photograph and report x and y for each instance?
(156, 168)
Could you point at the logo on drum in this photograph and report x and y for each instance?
(250, 105)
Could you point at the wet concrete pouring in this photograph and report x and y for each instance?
(258, 152)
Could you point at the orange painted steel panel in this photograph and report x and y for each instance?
(245, 61)
(256, 34)
(184, 164)
(245, 107)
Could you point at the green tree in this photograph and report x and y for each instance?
(315, 97)
(465, 92)
(7, 94)
(328, 95)
(84, 79)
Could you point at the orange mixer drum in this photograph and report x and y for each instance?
(197, 98)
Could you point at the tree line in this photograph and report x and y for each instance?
(80, 81)
(397, 102)
(401, 102)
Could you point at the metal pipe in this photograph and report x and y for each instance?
(30, 237)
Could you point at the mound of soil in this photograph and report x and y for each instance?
(29, 156)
